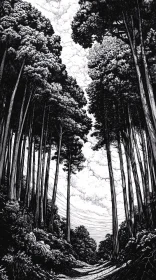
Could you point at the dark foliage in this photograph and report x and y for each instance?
(84, 245)
(32, 253)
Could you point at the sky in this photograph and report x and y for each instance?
(90, 189)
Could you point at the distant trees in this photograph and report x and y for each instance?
(105, 248)
(84, 245)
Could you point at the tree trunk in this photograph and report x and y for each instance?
(151, 167)
(140, 163)
(46, 184)
(20, 178)
(136, 180)
(2, 123)
(42, 188)
(8, 122)
(6, 163)
(2, 132)
(9, 161)
(29, 164)
(56, 179)
(2, 65)
(38, 179)
(33, 179)
(29, 161)
(147, 190)
(43, 177)
(130, 190)
(114, 203)
(3, 98)
(68, 200)
(123, 185)
(18, 173)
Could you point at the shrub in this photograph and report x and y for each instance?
(142, 253)
(22, 267)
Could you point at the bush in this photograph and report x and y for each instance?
(83, 245)
(28, 253)
(142, 253)
(25, 248)
(42, 252)
(22, 267)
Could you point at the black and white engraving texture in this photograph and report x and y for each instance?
(77, 139)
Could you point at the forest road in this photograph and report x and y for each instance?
(93, 272)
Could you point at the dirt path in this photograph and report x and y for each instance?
(94, 272)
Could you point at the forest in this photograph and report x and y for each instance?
(46, 116)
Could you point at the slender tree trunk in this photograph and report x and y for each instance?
(2, 66)
(1, 94)
(33, 179)
(46, 184)
(56, 179)
(152, 179)
(140, 163)
(114, 203)
(2, 131)
(28, 178)
(42, 188)
(20, 178)
(68, 200)
(8, 122)
(38, 179)
(136, 180)
(2, 123)
(149, 123)
(145, 159)
(5, 165)
(43, 177)
(151, 167)
(134, 166)
(29, 161)
(9, 161)
(130, 190)
(18, 173)
(147, 190)
(124, 185)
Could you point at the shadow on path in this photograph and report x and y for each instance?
(94, 272)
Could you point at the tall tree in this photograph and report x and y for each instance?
(73, 159)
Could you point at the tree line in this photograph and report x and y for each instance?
(121, 35)
(42, 115)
